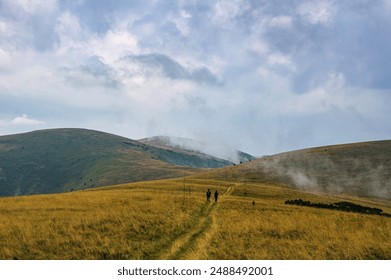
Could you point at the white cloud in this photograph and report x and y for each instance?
(258, 46)
(182, 22)
(35, 7)
(226, 10)
(69, 31)
(333, 94)
(279, 59)
(4, 28)
(113, 45)
(25, 120)
(281, 21)
(77, 42)
(9, 34)
(23, 8)
(317, 12)
(4, 58)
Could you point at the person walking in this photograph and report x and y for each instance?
(208, 195)
(216, 196)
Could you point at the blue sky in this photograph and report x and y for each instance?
(262, 76)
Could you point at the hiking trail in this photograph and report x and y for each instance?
(193, 245)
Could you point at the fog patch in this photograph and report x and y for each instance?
(191, 145)
(302, 180)
(321, 172)
(213, 149)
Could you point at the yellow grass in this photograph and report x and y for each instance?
(264, 231)
(116, 224)
(169, 219)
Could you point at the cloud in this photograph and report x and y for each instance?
(159, 64)
(225, 11)
(182, 22)
(317, 12)
(279, 59)
(264, 76)
(30, 23)
(68, 29)
(22, 120)
(119, 40)
(281, 21)
(92, 73)
(34, 7)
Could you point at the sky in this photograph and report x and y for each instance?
(263, 76)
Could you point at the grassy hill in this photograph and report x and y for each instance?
(170, 219)
(60, 160)
(359, 169)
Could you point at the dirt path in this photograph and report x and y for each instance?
(229, 190)
(193, 245)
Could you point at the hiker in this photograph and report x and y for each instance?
(216, 196)
(208, 194)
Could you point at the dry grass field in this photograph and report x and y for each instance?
(170, 219)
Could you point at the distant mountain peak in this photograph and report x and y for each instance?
(213, 149)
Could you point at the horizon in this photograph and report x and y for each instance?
(262, 77)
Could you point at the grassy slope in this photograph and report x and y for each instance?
(59, 160)
(362, 169)
(170, 219)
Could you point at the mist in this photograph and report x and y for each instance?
(214, 149)
(356, 170)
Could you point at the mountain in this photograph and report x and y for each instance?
(359, 169)
(59, 160)
(199, 148)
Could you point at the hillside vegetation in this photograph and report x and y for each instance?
(170, 219)
(60, 160)
(359, 169)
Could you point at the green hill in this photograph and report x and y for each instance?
(60, 160)
(359, 169)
